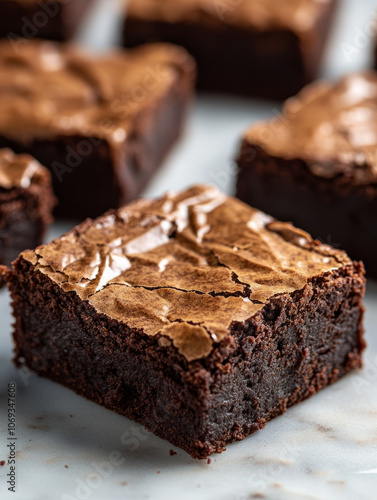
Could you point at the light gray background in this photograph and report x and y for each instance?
(325, 448)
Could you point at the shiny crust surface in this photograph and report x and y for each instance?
(184, 267)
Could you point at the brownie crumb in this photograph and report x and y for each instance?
(172, 453)
(66, 466)
(2, 463)
(209, 461)
(158, 472)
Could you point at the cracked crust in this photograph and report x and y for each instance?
(186, 266)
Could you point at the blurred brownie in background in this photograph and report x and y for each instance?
(266, 48)
(102, 125)
(53, 19)
(316, 165)
(26, 203)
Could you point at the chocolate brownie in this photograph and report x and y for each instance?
(26, 203)
(102, 125)
(53, 19)
(267, 48)
(194, 314)
(315, 165)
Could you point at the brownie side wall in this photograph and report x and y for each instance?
(308, 341)
(231, 60)
(293, 348)
(337, 211)
(90, 176)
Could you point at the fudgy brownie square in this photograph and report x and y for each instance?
(316, 165)
(101, 124)
(267, 48)
(26, 203)
(194, 314)
(52, 19)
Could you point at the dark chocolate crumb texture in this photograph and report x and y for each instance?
(193, 314)
(26, 203)
(316, 164)
(101, 124)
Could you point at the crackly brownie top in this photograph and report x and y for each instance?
(185, 266)
(333, 127)
(299, 16)
(47, 89)
(19, 171)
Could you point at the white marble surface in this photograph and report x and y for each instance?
(324, 448)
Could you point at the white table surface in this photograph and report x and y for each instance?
(324, 448)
